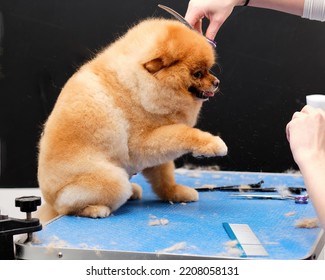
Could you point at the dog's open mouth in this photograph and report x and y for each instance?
(201, 94)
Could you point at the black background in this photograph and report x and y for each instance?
(268, 62)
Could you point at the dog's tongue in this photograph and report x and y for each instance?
(208, 93)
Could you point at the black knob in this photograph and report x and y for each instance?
(28, 204)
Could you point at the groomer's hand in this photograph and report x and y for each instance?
(216, 11)
(306, 135)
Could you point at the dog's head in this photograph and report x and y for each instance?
(165, 65)
(182, 59)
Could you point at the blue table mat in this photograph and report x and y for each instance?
(195, 228)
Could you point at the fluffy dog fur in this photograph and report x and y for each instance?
(130, 109)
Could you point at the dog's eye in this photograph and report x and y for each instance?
(198, 74)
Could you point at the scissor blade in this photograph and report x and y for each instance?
(184, 21)
(176, 15)
(257, 196)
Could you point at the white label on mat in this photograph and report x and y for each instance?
(248, 240)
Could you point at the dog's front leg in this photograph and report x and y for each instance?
(165, 144)
(163, 183)
(172, 141)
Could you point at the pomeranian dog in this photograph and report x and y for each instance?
(130, 109)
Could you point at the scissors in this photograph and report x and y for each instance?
(184, 21)
(301, 199)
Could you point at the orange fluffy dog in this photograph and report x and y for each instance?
(130, 109)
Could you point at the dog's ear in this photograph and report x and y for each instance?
(155, 65)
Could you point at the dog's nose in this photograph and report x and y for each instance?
(216, 83)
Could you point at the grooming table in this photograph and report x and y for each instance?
(152, 229)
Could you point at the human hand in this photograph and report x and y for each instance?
(216, 11)
(306, 135)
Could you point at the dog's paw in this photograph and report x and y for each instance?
(184, 194)
(95, 211)
(214, 147)
(136, 192)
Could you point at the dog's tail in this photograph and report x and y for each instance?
(46, 213)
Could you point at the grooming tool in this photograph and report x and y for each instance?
(298, 199)
(296, 190)
(301, 199)
(257, 187)
(234, 188)
(259, 196)
(293, 190)
(184, 21)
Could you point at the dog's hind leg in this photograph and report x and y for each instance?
(95, 194)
